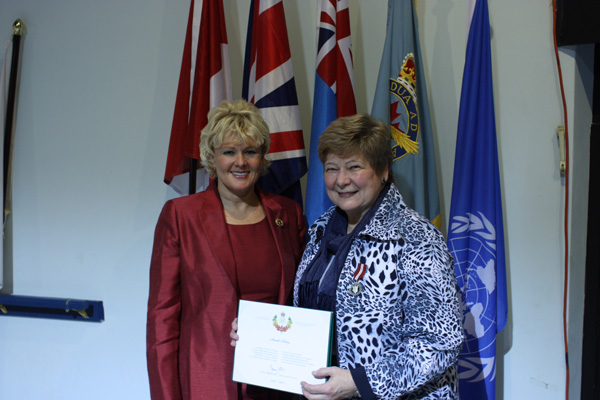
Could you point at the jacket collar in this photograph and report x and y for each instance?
(384, 224)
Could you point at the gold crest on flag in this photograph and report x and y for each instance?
(404, 121)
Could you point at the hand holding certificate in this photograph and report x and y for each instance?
(280, 346)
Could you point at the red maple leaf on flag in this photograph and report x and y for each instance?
(394, 116)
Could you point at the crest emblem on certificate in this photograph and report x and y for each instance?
(404, 113)
(281, 322)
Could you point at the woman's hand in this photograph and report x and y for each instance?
(339, 386)
(233, 334)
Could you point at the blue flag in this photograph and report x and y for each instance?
(476, 228)
(334, 94)
(401, 102)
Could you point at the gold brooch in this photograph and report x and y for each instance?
(279, 223)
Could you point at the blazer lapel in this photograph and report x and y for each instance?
(213, 223)
(280, 226)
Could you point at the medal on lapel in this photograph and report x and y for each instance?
(357, 286)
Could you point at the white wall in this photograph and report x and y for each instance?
(97, 93)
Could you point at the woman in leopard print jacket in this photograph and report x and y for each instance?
(387, 274)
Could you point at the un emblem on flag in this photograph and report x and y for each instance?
(473, 246)
(404, 113)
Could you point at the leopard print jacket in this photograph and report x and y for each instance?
(404, 327)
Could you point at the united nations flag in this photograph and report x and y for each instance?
(476, 227)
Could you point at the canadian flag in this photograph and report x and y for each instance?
(204, 81)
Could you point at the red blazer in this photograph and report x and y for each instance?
(193, 299)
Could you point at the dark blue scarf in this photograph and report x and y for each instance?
(319, 282)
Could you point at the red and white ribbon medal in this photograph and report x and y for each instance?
(357, 286)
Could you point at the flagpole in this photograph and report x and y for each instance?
(10, 105)
(193, 169)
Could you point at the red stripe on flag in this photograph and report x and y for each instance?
(346, 104)
(343, 23)
(286, 141)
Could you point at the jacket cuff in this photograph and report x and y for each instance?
(362, 383)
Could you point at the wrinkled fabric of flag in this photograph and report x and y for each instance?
(401, 102)
(204, 81)
(269, 84)
(476, 228)
(333, 96)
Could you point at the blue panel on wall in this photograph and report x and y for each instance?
(50, 307)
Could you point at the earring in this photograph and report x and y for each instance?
(383, 181)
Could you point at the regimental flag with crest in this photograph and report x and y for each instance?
(334, 93)
(269, 84)
(476, 227)
(401, 101)
(204, 81)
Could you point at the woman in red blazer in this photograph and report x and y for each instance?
(211, 249)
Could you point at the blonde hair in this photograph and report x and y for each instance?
(237, 119)
(358, 134)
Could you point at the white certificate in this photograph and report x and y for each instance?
(280, 346)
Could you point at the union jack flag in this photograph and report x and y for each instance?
(334, 93)
(269, 84)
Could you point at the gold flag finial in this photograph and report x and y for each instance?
(18, 27)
